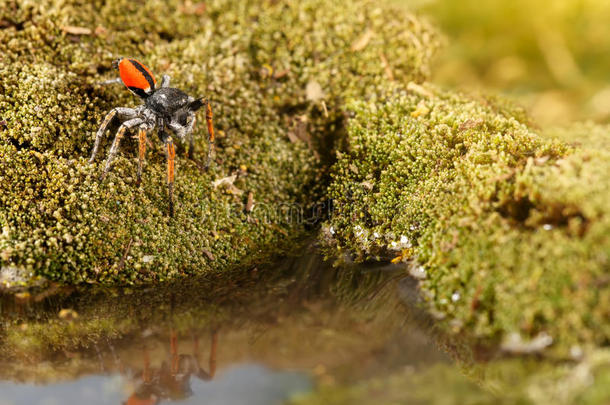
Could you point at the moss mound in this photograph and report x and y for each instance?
(277, 74)
(509, 231)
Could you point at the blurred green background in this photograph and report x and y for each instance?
(551, 56)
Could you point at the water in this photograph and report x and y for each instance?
(261, 336)
(246, 383)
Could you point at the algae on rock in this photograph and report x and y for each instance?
(254, 60)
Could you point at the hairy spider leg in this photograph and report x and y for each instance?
(170, 153)
(165, 81)
(208, 120)
(117, 140)
(191, 152)
(123, 113)
(111, 81)
(141, 151)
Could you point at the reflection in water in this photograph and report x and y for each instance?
(172, 380)
(243, 384)
(301, 318)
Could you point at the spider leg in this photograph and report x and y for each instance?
(117, 140)
(111, 81)
(210, 124)
(123, 113)
(170, 154)
(191, 151)
(141, 152)
(165, 81)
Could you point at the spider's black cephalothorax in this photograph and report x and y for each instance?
(168, 109)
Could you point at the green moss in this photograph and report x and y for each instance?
(254, 60)
(511, 228)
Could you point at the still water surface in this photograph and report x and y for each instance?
(261, 336)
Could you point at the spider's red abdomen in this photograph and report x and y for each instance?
(137, 77)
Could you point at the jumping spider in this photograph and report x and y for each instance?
(164, 107)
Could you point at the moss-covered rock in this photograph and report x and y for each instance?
(277, 74)
(508, 230)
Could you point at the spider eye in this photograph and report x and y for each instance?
(116, 62)
(137, 77)
(181, 118)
